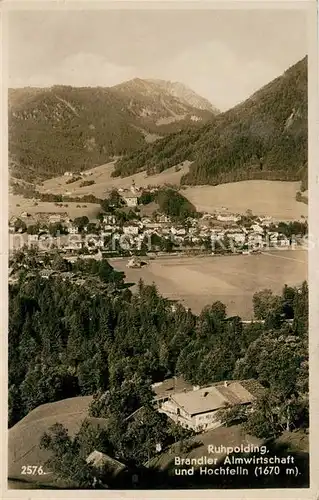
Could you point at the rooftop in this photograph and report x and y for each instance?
(101, 460)
(213, 397)
(171, 386)
(128, 193)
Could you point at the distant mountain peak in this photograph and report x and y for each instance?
(264, 137)
(176, 90)
(185, 94)
(87, 126)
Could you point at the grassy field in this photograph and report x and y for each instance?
(104, 182)
(18, 204)
(273, 198)
(222, 436)
(199, 281)
(24, 437)
(236, 436)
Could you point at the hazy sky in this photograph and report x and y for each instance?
(222, 55)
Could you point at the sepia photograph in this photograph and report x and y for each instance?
(158, 317)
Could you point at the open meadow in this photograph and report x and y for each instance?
(18, 204)
(200, 281)
(104, 182)
(273, 198)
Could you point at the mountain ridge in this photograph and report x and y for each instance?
(264, 137)
(64, 128)
(186, 94)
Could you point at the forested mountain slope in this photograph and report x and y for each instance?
(265, 137)
(64, 128)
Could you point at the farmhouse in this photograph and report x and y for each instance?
(163, 390)
(130, 200)
(197, 409)
(105, 463)
(130, 197)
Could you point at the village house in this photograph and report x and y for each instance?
(72, 229)
(74, 245)
(265, 223)
(109, 219)
(93, 240)
(272, 238)
(152, 225)
(131, 196)
(164, 219)
(255, 240)
(130, 200)
(194, 239)
(12, 223)
(131, 229)
(146, 220)
(227, 218)
(178, 231)
(109, 469)
(192, 222)
(256, 228)
(68, 174)
(54, 218)
(197, 409)
(283, 241)
(178, 240)
(139, 224)
(13, 220)
(204, 233)
(24, 215)
(238, 238)
(46, 273)
(108, 229)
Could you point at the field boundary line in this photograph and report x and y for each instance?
(282, 257)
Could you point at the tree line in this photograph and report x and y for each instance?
(66, 340)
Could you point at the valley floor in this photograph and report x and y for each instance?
(200, 281)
